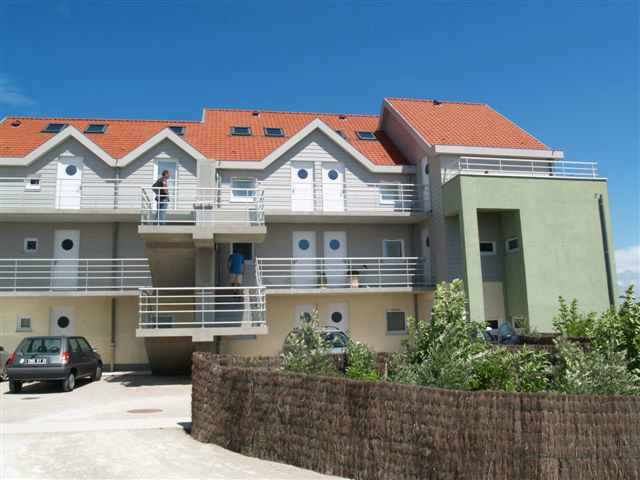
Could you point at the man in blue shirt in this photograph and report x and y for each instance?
(236, 271)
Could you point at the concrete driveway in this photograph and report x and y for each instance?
(124, 426)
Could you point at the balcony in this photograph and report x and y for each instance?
(201, 313)
(342, 275)
(50, 276)
(514, 167)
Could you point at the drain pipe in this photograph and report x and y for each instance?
(114, 250)
(605, 243)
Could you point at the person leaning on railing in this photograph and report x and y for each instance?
(161, 191)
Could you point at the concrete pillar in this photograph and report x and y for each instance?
(206, 175)
(470, 247)
(205, 267)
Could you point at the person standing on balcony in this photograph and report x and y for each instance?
(235, 265)
(161, 191)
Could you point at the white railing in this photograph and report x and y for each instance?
(196, 206)
(348, 272)
(202, 307)
(91, 274)
(346, 197)
(520, 168)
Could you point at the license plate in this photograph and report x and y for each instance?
(37, 361)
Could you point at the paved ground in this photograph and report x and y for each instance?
(120, 427)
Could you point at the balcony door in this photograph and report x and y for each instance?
(69, 182)
(302, 186)
(333, 187)
(305, 269)
(335, 265)
(338, 316)
(172, 166)
(66, 252)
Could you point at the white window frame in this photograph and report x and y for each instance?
(30, 239)
(397, 195)
(242, 199)
(506, 245)
(29, 186)
(20, 328)
(386, 321)
(253, 252)
(384, 246)
(488, 254)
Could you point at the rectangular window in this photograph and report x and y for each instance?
(32, 183)
(389, 193)
(366, 135)
(24, 324)
(164, 320)
(244, 249)
(30, 245)
(241, 131)
(340, 132)
(396, 322)
(512, 245)
(492, 324)
(54, 127)
(273, 132)
(178, 129)
(487, 248)
(243, 189)
(96, 128)
(393, 248)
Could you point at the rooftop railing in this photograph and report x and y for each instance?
(83, 275)
(520, 168)
(340, 273)
(202, 307)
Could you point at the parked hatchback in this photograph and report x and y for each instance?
(335, 338)
(49, 359)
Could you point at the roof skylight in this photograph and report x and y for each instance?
(96, 128)
(54, 127)
(273, 132)
(241, 131)
(340, 132)
(178, 129)
(366, 135)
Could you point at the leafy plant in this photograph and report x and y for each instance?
(361, 362)
(532, 370)
(571, 322)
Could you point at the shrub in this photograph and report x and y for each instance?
(571, 322)
(532, 370)
(360, 362)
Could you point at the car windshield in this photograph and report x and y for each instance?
(46, 346)
(336, 339)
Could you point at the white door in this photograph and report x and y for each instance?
(172, 166)
(66, 251)
(302, 186)
(333, 187)
(335, 266)
(69, 182)
(63, 321)
(305, 268)
(426, 253)
(338, 316)
(302, 312)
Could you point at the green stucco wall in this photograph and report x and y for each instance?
(561, 248)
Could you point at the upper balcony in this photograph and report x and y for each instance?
(518, 167)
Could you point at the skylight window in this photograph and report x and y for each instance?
(178, 129)
(366, 135)
(273, 132)
(340, 132)
(54, 127)
(241, 131)
(96, 128)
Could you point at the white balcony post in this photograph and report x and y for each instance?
(15, 275)
(406, 264)
(379, 273)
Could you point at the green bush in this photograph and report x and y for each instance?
(361, 363)
(571, 322)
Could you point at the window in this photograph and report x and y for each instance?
(178, 129)
(32, 183)
(366, 135)
(512, 245)
(487, 248)
(244, 249)
(396, 322)
(164, 320)
(241, 131)
(54, 127)
(96, 128)
(393, 248)
(243, 189)
(24, 324)
(30, 245)
(273, 132)
(341, 133)
(492, 324)
(84, 345)
(389, 193)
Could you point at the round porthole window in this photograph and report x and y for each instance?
(303, 244)
(306, 317)
(63, 322)
(334, 244)
(336, 317)
(71, 170)
(67, 244)
(427, 241)
(302, 173)
(426, 169)
(333, 174)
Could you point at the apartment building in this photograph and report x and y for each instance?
(355, 216)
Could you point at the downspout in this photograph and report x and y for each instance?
(114, 250)
(605, 243)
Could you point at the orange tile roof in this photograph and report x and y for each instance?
(469, 124)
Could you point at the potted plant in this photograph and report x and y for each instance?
(355, 278)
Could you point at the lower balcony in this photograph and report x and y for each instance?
(201, 313)
(342, 274)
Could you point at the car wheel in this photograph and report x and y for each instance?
(97, 375)
(15, 386)
(69, 382)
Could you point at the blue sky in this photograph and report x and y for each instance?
(568, 72)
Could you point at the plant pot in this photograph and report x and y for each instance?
(355, 282)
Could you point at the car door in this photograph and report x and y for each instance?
(90, 358)
(76, 357)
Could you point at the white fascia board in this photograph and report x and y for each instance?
(414, 133)
(68, 132)
(500, 152)
(164, 134)
(316, 124)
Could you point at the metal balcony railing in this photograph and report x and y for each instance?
(201, 206)
(520, 168)
(84, 275)
(348, 272)
(194, 307)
